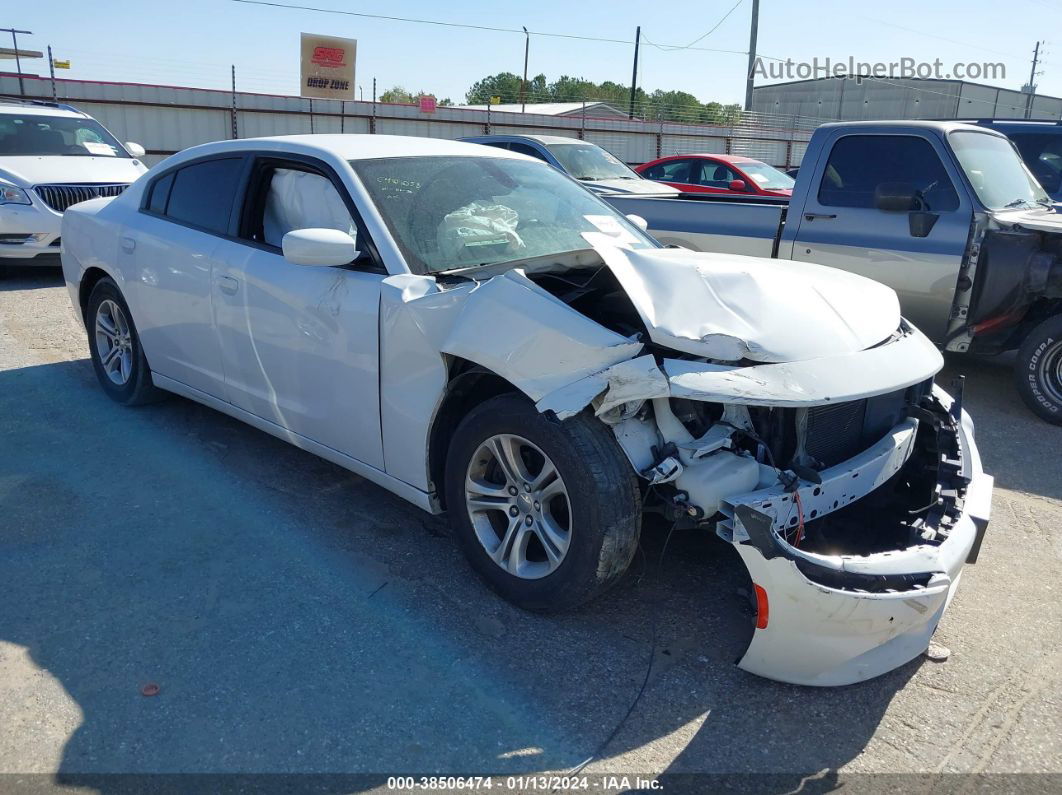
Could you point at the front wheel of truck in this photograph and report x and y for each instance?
(1038, 370)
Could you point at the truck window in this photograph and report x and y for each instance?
(859, 163)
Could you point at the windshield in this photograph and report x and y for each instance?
(459, 212)
(589, 162)
(56, 135)
(767, 177)
(1042, 153)
(997, 174)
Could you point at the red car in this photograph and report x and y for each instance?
(719, 174)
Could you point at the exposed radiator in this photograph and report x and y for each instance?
(835, 431)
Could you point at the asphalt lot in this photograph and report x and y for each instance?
(298, 618)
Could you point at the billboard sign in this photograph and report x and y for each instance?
(327, 67)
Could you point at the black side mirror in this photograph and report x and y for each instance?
(897, 197)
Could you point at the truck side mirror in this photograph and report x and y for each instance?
(896, 197)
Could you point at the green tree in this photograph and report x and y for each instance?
(504, 84)
(398, 95)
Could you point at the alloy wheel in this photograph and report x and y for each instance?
(114, 342)
(518, 506)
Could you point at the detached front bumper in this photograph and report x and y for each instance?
(839, 619)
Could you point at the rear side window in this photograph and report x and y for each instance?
(671, 171)
(859, 163)
(202, 194)
(160, 194)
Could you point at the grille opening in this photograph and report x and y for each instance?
(917, 505)
(61, 197)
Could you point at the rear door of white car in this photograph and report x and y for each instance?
(300, 343)
(167, 254)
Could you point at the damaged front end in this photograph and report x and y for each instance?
(848, 483)
(787, 407)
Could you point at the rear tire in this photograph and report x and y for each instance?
(1038, 370)
(571, 528)
(117, 356)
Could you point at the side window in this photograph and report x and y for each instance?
(673, 171)
(202, 193)
(716, 175)
(524, 149)
(284, 197)
(858, 164)
(160, 194)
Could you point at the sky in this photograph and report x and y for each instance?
(195, 42)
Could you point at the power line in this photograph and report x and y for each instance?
(939, 38)
(669, 48)
(469, 26)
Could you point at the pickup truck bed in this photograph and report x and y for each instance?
(729, 225)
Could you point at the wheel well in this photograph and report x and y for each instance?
(469, 385)
(1037, 314)
(88, 282)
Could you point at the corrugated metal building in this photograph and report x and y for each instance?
(596, 110)
(851, 98)
(166, 119)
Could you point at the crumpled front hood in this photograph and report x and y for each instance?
(729, 307)
(49, 170)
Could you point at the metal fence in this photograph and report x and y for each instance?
(167, 119)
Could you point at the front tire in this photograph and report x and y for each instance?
(547, 513)
(1038, 370)
(117, 356)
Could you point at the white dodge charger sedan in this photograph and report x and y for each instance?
(478, 333)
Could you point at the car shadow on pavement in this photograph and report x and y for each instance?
(298, 619)
(29, 277)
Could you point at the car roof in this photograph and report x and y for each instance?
(541, 139)
(354, 146)
(15, 108)
(735, 159)
(894, 125)
(1016, 125)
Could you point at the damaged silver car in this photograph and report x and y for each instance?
(476, 332)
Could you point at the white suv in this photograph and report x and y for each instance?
(53, 156)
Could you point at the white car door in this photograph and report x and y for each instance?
(300, 344)
(168, 253)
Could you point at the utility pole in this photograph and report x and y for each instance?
(18, 63)
(752, 53)
(1032, 81)
(634, 76)
(235, 132)
(51, 71)
(523, 85)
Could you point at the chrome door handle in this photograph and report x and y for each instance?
(128, 244)
(813, 216)
(228, 285)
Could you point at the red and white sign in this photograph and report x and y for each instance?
(427, 103)
(327, 67)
